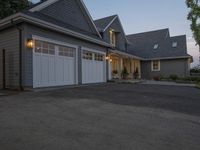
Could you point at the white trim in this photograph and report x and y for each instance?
(90, 17)
(110, 24)
(51, 26)
(42, 5)
(92, 50)
(154, 70)
(164, 58)
(58, 43)
(35, 37)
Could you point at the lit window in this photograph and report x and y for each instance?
(155, 46)
(66, 51)
(174, 44)
(44, 47)
(98, 57)
(87, 55)
(112, 37)
(155, 65)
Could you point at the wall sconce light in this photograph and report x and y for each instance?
(29, 43)
(107, 57)
(110, 60)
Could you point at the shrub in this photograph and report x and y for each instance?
(173, 77)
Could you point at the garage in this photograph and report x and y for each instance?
(93, 66)
(54, 64)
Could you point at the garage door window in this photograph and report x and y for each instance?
(66, 51)
(44, 48)
(87, 55)
(98, 57)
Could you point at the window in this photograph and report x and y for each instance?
(155, 46)
(87, 55)
(112, 37)
(155, 65)
(44, 47)
(66, 51)
(174, 44)
(98, 57)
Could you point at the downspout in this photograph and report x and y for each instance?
(20, 53)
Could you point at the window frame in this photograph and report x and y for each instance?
(112, 35)
(152, 65)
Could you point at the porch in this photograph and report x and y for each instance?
(123, 66)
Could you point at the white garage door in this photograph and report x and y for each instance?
(93, 67)
(53, 65)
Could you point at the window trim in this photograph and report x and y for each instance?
(152, 65)
(112, 35)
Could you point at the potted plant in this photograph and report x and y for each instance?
(124, 73)
(115, 73)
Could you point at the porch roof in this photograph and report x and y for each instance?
(124, 54)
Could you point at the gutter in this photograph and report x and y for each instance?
(23, 17)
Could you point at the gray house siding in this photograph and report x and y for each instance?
(34, 30)
(69, 12)
(120, 37)
(179, 67)
(1, 69)
(9, 40)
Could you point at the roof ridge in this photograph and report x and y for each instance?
(148, 32)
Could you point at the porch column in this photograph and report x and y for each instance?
(121, 66)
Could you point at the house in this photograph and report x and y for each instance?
(112, 32)
(57, 43)
(162, 55)
(54, 43)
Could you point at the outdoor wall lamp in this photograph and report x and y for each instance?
(29, 43)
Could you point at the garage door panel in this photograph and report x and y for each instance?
(54, 68)
(93, 68)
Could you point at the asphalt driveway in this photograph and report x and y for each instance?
(103, 117)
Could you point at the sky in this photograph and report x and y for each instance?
(146, 15)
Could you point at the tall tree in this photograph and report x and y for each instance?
(9, 7)
(194, 17)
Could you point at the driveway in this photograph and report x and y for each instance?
(103, 117)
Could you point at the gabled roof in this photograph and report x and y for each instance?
(142, 45)
(46, 3)
(103, 23)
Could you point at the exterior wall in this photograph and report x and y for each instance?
(1, 69)
(33, 30)
(9, 40)
(178, 67)
(120, 37)
(69, 11)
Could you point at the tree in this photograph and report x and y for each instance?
(194, 17)
(9, 7)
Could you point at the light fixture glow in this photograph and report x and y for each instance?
(29, 43)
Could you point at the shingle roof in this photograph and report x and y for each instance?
(54, 21)
(104, 22)
(142, 45)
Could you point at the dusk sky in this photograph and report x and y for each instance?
(140, 16)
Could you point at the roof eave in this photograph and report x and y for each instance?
(32, 20)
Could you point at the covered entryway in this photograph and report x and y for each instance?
(93, 66)
(54, 64)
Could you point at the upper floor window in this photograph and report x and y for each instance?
(155, 46)
(112, 37)
(174, 44)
